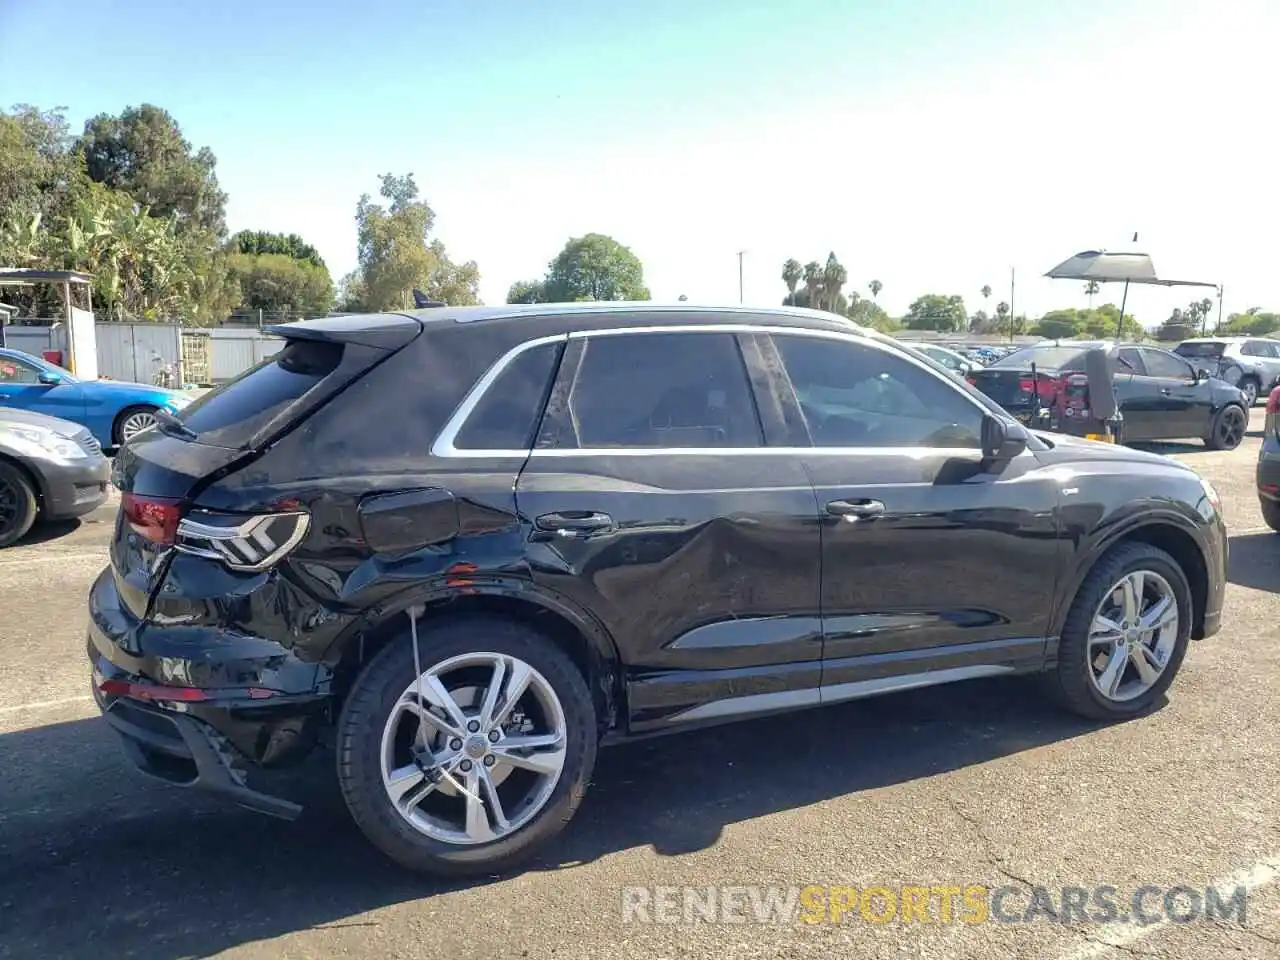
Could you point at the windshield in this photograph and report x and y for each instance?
(1201, 350)
(1050, 357)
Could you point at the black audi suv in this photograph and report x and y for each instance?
(463, 548)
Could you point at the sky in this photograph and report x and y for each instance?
(933, 145)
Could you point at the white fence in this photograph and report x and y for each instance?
(137, 351)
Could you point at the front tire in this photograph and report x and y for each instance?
(18, 505)
(131, 422)
(1227, 429)
(507, 714)
(1125, 635)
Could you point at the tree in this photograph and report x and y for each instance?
(280, 284)
(875, 286)
(1002, 318)
(290, 245)
(527, 291)
(595, 267)
(1206, 307)
(1057, 324)
(394, 254)
(791, 274)
(834, 277)
(142, 152)
(986, 292)
(1254, 322)
(936, 311)
(982, 322)
(867, 313)
(1091, 287)
(813, 284)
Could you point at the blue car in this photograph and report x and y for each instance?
(113, 411)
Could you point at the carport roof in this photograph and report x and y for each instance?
(15, 276)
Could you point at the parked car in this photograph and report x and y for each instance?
(114, 411)
(1160, 394)
(1269, 464)
(471, 545)
(1250, 363)
(956, 363)
(50, 469)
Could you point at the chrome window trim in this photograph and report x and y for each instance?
(444, 445)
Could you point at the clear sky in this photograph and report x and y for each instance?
(932, 144)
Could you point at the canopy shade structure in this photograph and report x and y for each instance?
(1103, 267)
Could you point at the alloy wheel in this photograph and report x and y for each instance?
(135, 423)
(1230, 428)
(1132, 636)
(479, 754)
(9, 505)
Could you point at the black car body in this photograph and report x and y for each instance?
(1161, 396)
(50, 469)
(1268, 472)
(682, 516)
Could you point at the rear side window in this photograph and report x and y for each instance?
(231, 414)
(508, 413)
(1162, 364)
(663, 390)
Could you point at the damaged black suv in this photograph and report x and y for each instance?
(462, 548)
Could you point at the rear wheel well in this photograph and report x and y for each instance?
(1183, 548)
(600, 674)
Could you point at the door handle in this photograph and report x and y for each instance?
(853, 510)
(1165, 391)
(573, 523)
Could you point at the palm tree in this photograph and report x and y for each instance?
(1206, 306)
(986, 291)
(813, 282)
(791, 274)
(834, 276)
(875, 286)
(1091, 287)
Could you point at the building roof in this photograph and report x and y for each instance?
(15, 276)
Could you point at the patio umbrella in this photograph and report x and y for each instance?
(1126, 268)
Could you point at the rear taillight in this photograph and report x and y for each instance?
(244, 543)
(155, 518)
(972, 379)
(1273, 401)
(1044, 387)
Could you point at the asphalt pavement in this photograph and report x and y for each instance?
(975, 784)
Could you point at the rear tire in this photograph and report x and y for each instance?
(1073, 680)
(1228, 428)
(1271, 514)
(18, 505)
(370, 742)
(131, 421)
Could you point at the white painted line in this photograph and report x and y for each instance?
(1248, 532)
(1115, 938)
(45, 704)
(103, 556)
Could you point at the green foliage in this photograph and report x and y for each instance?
(823, 285)
(936, 311)
(595, 267)
(1254, 322)
(527, 291)
(792, 272)
(290, 245)
(281, 284)
(143, 154)
(867, 313)
(1098, 323)
(395, 256)
(875, 286)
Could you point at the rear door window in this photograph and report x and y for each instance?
(508, 413)
(652, 390)
(1204, 350)
(231, 414)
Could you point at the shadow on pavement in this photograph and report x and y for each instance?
(49, 530)
(1254, 561)
(90, 854)
(1169, 448)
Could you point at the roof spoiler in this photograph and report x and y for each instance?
(383, 331)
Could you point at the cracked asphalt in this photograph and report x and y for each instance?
(975, 784)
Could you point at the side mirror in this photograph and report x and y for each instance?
(1002, 440)
(50, 379)
(1202, 373)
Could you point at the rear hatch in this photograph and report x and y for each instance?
(161, 472)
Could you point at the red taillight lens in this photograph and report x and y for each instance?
(147, 691)
(972, 380)
(155, 518)
(1044, 387)
(1273, 401)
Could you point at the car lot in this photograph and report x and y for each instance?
(972, 784)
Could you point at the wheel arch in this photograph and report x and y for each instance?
(584, 640)
(1169, 532)
(34, 477)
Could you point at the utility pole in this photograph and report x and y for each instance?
(740, 288)
(1219, 307)
(1013, 283)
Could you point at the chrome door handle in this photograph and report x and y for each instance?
(573, 523)
(853, 510)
